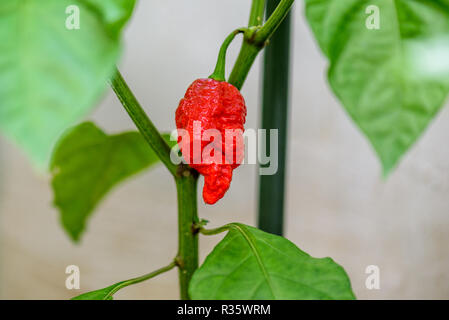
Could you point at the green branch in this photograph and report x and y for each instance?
(256, 38)
(142, 122)
(273, 22)
(256, 15)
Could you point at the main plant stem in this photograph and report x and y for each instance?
(187, 259)
(255, 39)
(186, 184)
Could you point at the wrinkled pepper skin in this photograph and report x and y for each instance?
(216, 105)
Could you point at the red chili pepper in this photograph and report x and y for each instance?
(213, 105)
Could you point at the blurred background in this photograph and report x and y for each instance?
(337, 203)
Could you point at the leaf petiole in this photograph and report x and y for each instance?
(108, 292)
(210, 232)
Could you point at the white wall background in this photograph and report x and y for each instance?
(337, 203)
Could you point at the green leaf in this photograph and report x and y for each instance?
(101, 294)
(391, 80)
(51, 76)
(87, 163)
(251, 264)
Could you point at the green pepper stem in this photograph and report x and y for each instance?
(220, 68)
